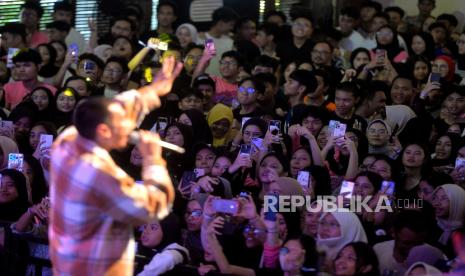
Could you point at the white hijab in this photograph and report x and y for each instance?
(351, 231)
(456, 197)
(399, 115)
(430, 270)
(192, 30)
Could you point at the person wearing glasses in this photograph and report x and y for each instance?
(114, 72)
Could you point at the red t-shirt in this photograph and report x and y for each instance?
(16, 91)
(225, 91)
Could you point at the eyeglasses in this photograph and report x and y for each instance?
(194, 213)
(228, 63)
(250, 230)
(248, 90)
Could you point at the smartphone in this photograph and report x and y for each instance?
(162, 123)
(9, 59)
(199, 172)
(338, 130)
(6, 124)
(435, 77)
(257, 142)
(244, 120)
(187, 178)
(459, 162)
(16, 161)
(226, 206)
(74, 48)
(388, 187)
(380, 56)
(89, 65)
(210, 44)
(304, 179)
(245, 150)
(275, 127)
(46, 140)
(347, 187)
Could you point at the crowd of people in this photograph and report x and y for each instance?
(378, 98)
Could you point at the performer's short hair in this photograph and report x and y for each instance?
(89, 114)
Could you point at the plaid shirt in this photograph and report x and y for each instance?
(95, 204)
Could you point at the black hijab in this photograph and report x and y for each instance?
(202, 133)
(177, 162)
(64, 118)
(392, 48)
(13, 210)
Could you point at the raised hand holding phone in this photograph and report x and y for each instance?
(16, 161)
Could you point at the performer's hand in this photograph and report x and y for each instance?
(164, 79)
(150, 149)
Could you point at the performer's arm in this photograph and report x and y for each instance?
(120, 197)
(140, 102)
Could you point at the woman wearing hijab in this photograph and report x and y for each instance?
(182, 136)
(66, 100)
(386, 39)
(197, 121)
(220, 119)
(449, 205)
(378, 133)
(423, 269)
(160, 243)
(425, 253)
(7, 146)
(335, 230)
(13, 195)
(187, 33)
(445, 66)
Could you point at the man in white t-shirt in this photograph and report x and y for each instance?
(409, 230)
(347, 21)
(63, 11)
(223, 20)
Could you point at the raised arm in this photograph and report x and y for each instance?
(208, 54)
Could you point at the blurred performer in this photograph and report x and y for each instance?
(95, 205)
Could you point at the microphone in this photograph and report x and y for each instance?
(134, 139)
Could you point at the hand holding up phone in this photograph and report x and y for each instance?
(215, 226)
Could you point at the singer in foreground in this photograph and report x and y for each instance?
(94, 203)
